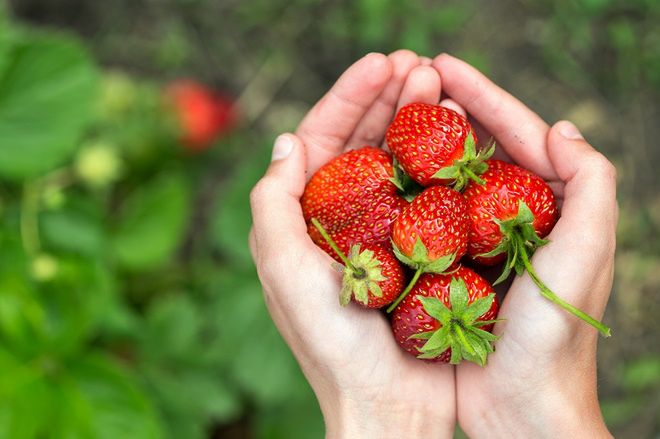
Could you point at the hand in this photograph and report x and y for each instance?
(366, 385)
(541, 381)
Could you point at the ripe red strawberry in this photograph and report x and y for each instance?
(373, 276)
(431, 233)
(435, 145)
(203, 115)
(354, 199)
(447, 318)
(510, 215)
(494, 208)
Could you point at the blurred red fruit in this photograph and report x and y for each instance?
(203, 114)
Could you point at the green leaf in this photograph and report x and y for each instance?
(420, 252)
(346, 291)
(485, 335)
(448, 172)
(109, 402)
(438, 342)
(436, 309)
(440, 265)
(232, 217)
(401, 257)
(525, 215)
(47, 88)
(297, 419)
(478, 308)
(422, 335)
(175, 321)
(458, 295)
(642, 373)
(25, 399)
(5, 36)
(470, 148)
(152, 223)
(501, 248)
(73, 231)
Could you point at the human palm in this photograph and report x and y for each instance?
(366, 385)
(542, 347)
(347, 351)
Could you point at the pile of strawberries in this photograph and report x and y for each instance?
(403, 225)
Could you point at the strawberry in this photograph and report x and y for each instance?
(511, 213)
(354, 199)
(511, 201)
(431, 233)
(373, 276)
(436, 145)
(447, 318)
(203, 115)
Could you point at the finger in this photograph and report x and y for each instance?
(331, 122)
(422, 85)
(453, 105)
(577, 263)
(516, 128)
(589, 210)
(279, 227)
(425, 60)
(371, 128)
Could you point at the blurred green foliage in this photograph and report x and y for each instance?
(121, 313)
(129, 306)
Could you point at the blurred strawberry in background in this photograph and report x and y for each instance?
(204, 115)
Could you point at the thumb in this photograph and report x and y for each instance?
(589, 193)
(579, 259)
(278, 225)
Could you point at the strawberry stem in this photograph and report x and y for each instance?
(548, 294)
(472, 175)
(405, 292)
(332, 244)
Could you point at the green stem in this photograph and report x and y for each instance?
(464, 342)
(29, 219)
(466, 169)
(406, 291)
(332, 244)
(548, 294)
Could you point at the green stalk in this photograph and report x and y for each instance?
(548, 294)
(29, 222)
(405, 292)
(332, 244)
(472, 175)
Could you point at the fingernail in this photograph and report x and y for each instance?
(569, 131)
(282, 148)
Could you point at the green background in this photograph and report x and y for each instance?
(153, 324)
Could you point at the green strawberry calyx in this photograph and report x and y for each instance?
(519, 241)
(408, 188)
(362, 271)
(460, 328)
(469, 167)
(420, 261)
(515, 231)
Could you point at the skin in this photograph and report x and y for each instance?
(366, 385)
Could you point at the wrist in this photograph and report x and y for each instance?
(559, 411)
(349, 418)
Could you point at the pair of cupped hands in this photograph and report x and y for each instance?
(541, 380)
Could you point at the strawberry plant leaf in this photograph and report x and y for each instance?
(47, 87)
(152, 223)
